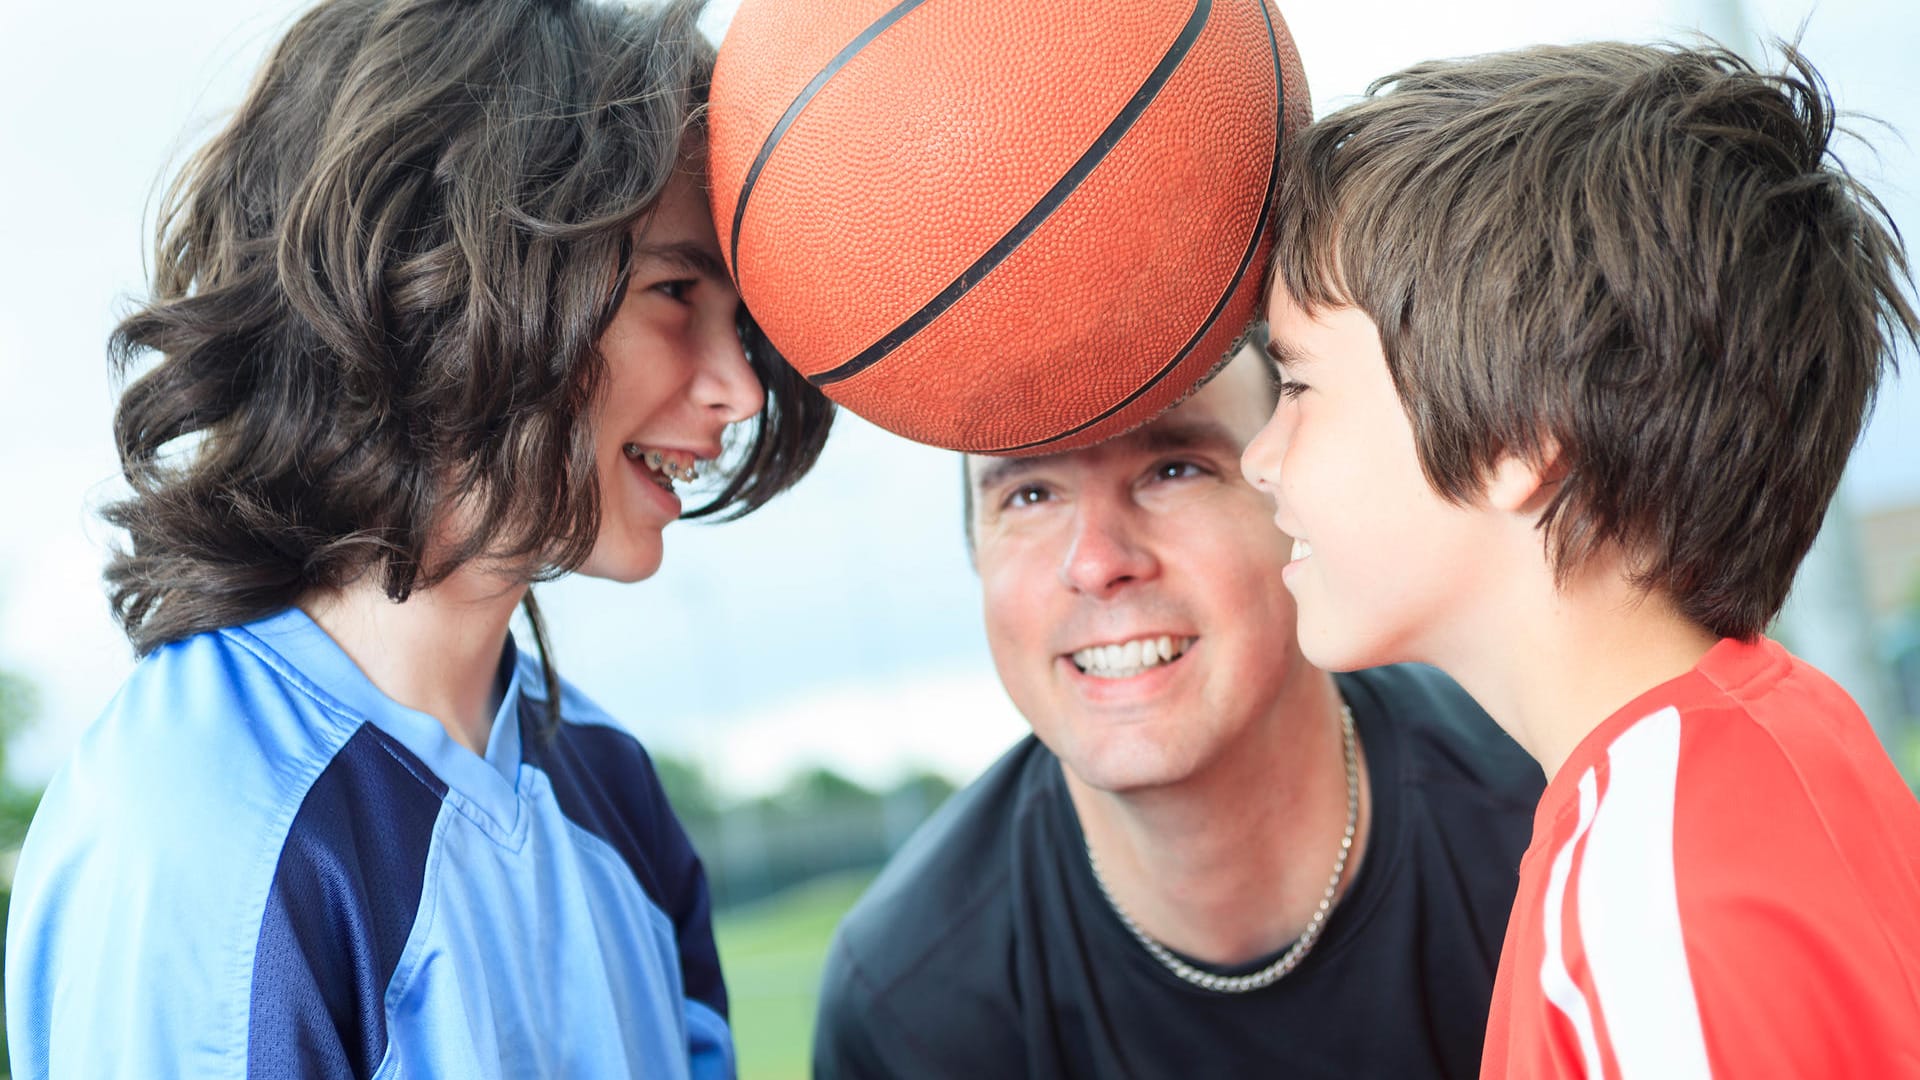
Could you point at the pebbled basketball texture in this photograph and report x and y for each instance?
(1001, 226)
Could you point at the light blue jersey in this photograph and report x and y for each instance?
(258, 865)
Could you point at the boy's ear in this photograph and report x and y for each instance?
(1518, 485)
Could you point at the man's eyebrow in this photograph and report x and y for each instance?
(1154, 438)
(1178, 434)
(1000, 470)
(689, 257)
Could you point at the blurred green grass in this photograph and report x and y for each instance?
(772, 952)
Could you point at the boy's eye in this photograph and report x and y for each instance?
(1284, 387)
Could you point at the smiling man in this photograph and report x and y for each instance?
(1211, 858)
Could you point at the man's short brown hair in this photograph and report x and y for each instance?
(1641, 264)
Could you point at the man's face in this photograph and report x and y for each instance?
(1132, 590)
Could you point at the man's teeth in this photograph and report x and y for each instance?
(1130, 658)
(666, 466)
(1301, 549)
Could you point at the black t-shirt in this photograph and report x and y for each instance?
(985, 950)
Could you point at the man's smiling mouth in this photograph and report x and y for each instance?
(1129, 658)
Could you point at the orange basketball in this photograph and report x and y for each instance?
(1001, 226)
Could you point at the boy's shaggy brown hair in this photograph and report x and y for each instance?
(1639, 265)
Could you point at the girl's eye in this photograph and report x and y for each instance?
(676, 289)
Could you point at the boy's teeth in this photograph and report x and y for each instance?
(1131, 658)
(1301, 549)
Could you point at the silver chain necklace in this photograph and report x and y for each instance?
(1274, 972)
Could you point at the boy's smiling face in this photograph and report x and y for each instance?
(1383, 565)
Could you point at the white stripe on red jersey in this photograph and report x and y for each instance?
(1629, 912)
(1724, 881)
(1555, 980)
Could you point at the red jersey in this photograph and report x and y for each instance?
(1724, 880)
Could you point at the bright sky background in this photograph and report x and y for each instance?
(840, 624)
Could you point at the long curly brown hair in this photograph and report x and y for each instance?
(377, 293)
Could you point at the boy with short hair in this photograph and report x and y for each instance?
(1575, 343)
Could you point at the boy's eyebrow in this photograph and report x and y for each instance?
(689, 257)
(1285, 355)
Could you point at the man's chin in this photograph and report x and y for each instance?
(1127, 767)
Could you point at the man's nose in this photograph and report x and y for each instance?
(1107, 552)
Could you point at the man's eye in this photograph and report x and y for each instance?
(1178, 470)
(1026, 495)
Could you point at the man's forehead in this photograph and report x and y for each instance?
(1177, 430)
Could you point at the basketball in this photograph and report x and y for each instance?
(1001, 226)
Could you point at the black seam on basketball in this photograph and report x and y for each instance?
(1246, 259)
(1038, 214)
(793, 112)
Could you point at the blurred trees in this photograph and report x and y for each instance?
(17, 706)
(17, 803)
(819, 822)
(1900, 644)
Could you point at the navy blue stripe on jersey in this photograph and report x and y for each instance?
(342, 905)
(604, 782)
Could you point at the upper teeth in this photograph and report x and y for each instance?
(670, 465)
(1130, 658)
(1302, 549)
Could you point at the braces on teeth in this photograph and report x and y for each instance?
(660, 463)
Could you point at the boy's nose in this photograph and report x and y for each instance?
(1260, 461)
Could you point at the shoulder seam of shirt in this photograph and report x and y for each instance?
(989, 892)
(599, 848)
(1773, 671)
(414, 766)
(608, 724)
(876, 999)
(297, 679)
(1487, 795)
(1827, 831)
(292, 675)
